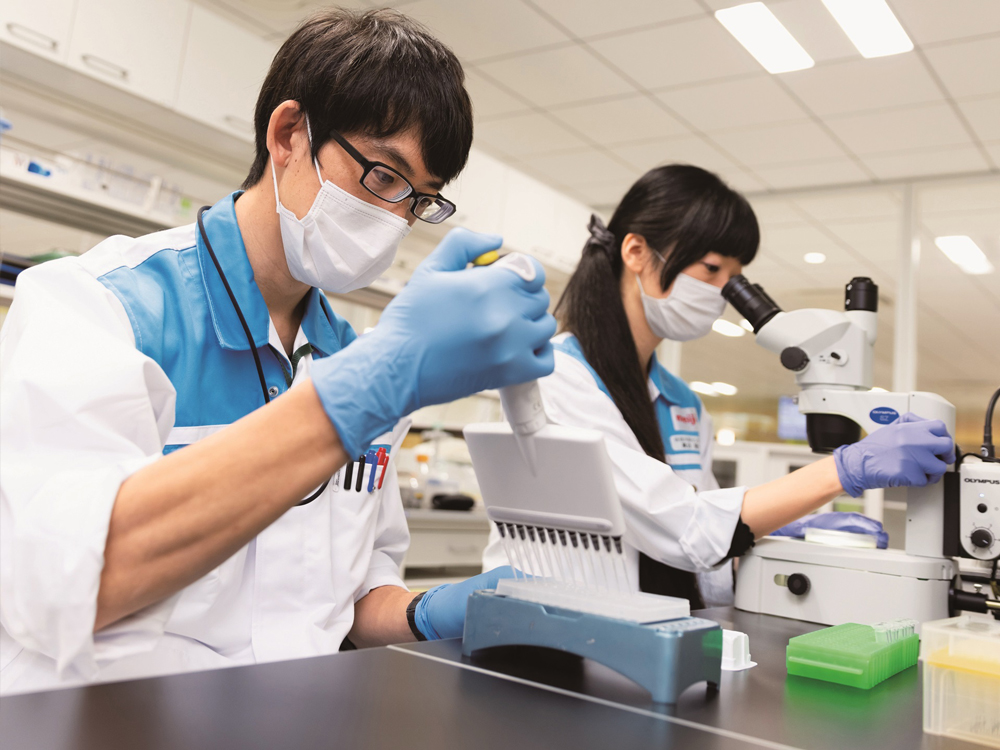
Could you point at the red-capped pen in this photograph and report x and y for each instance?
(383, 461)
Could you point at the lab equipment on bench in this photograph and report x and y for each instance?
(961, 657)
(860, 656)
(550, 490)
(832, 354)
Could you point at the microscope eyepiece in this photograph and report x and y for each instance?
(750, 301)
(861, 293)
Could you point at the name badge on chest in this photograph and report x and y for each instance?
(684, 418)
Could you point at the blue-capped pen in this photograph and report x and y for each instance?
(371, 458)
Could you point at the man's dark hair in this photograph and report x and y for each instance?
(376, 73)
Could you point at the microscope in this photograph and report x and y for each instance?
(831, 353)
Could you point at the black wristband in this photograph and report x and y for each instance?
(742, 540)
(411, 617)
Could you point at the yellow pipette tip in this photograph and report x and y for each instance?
(486, 258)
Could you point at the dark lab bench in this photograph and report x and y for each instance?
(426, 696)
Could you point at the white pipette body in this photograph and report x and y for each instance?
(522, 405)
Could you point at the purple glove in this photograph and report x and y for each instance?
(912, 452)
(441, 611)
(853, 522)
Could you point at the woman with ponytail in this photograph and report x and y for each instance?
(656, 273)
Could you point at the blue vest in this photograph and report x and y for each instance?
(183, 319)
(677, 408)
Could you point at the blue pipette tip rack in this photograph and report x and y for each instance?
(664, 657)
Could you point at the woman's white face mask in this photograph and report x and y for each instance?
(689, 311)
(343, 243)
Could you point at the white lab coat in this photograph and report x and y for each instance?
(676, 516)
(82, 408)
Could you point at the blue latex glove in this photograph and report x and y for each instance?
(441, 611)
(451, 332)
(912, 452)
(853, 522)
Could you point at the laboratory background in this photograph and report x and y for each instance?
(875, 154)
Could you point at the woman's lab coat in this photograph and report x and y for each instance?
(674, 512)
(109, 361)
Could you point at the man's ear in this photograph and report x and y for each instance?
(635, 252)
(285, 129)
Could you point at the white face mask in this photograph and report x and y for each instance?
(689, 311)
(343, 243)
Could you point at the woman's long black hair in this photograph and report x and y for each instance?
(684, 213)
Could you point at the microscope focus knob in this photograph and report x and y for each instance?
(798, 584)
(982, 538)
(794, 359)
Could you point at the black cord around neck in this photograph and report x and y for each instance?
(236, 305)
(246, 330)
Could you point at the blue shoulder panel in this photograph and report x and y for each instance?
(167, 302)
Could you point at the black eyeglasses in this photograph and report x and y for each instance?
(386, 183)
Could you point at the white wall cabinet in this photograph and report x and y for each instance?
(39, 26)
(221, 73)
(133, 45)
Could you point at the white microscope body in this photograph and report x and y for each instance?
(831, 353)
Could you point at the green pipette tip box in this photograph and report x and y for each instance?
(860, 656)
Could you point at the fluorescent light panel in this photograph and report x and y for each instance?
(964, 253)
(763, 36)
(814, 258)
(871, 26)
(725, 388)
(703, 388)
(727, 329)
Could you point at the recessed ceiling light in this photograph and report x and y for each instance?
(965, 254)
(876, 389)
(871, 26)
(814, 258)
(725, 436)
(725, 388)
(747, 325)
(703, 388)
(727, 329)
(763, 36)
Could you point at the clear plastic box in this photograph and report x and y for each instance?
(961, 657)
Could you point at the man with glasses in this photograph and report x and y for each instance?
(177, 409)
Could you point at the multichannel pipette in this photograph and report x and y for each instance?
(562, 529)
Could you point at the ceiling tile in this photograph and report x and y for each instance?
(771, 211)
(589, 19)
(559, 76)
(621, 120)
(524, 135)
(577, 168)
(857, 85)
(744, 181)
(852, 204)
(923, 163)
(681, 150)
(983, 114)
(878, 240)
(277, 18)
(779, 144)
(678, 54)
(968, 68)
(978, 196)
(482, 30)
(733, 104)
(804, 174)
(488, 99)
(606, 194)
(924, 126)
(994, 149)
(929, 21)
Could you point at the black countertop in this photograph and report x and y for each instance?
(425, 696)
